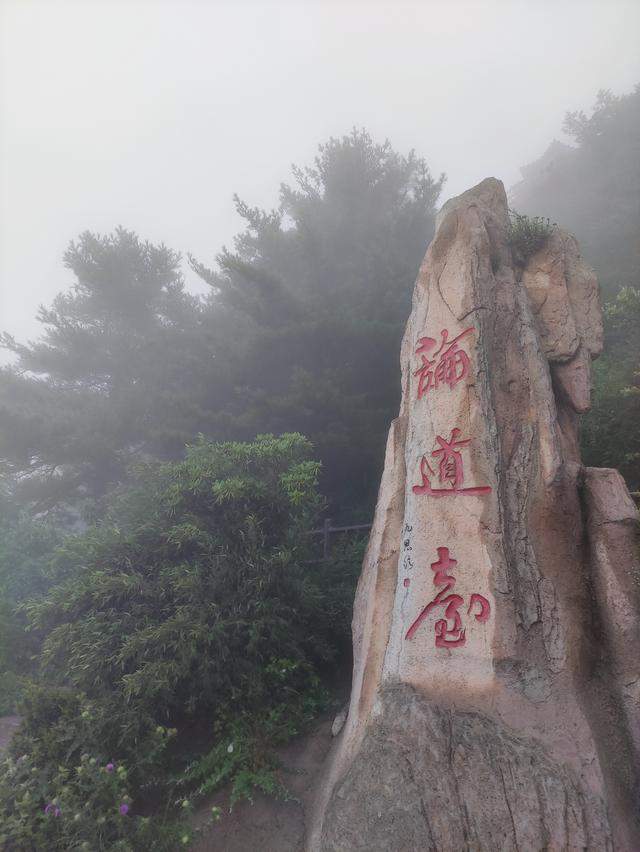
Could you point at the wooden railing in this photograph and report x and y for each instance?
(327, 531)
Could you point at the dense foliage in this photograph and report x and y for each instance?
(59, 790)
(301, 332)
(194, 599)
(178, 624)
(326, 283)
(592, 189)
(26, 546)
(121, 366)
(189, 598)
(611, 437)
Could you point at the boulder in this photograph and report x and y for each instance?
(492, 704)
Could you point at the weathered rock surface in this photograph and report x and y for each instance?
(614, 539)
(563, 293)
(493, 703)
(449, 780)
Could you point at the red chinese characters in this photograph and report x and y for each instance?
(448, 365)
(449, 631)
(450, 470)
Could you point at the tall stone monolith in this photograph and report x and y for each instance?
(496, 680)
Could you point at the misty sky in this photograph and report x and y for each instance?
(152, 114)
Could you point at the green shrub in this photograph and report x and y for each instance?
(11, 686)
(527, 234)
(610, 435)
(25, 555)
(54, 795)
(291, 697)
(194, 602)
(195, 582)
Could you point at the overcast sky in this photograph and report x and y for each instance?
(152, 114)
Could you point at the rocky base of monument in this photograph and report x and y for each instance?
(430, 777)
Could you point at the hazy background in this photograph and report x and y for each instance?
(152, 114)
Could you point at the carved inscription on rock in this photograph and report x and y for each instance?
(449, 631)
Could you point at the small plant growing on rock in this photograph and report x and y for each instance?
(527, 234)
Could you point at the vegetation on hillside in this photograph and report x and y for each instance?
(593, 189)
(26, 547)
(162, 615)
(610, 433)
(300, 333)
(195, 601)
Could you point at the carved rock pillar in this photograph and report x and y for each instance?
(478, 710)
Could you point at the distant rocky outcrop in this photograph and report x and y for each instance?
(496, 633)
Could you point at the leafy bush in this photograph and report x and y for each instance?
(610, 436)
(194, 583)
(243, 752)
(194, 601)
(56, 796)
(10, 692)
(527, 234)
(25, 554)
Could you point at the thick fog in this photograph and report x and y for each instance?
(152, 114)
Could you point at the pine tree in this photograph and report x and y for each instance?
(326, 281)
(592, 189)
(118, 375)
(301, 331)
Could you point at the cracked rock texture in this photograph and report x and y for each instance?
(504, 715)
(465, 782)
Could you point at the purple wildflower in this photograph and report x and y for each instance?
(52, 809)
(109, 767)
(124, 809)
